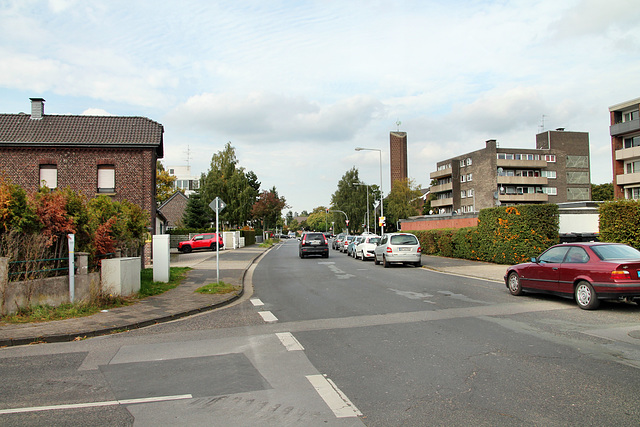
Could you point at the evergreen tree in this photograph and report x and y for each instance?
(197, 214)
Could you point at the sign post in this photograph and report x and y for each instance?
(217, 206)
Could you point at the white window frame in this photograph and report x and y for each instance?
(469, 177)
(49, 176)
(106, 179)
(463, 194)
(550, 158)
(462, 178)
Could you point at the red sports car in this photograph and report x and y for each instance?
(588, 272)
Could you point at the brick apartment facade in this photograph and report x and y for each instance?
(93, 155)
(625, 149)
(556, 171)
(398, 156)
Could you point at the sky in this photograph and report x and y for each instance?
(296, 86)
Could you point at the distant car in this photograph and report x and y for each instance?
(338, 241)
(345, 243)
(313, 244)
(401, 248)
(201, 241)
(351, 248)
(367, 245)
(587, 272)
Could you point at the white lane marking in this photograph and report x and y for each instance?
(333, 397)
(268, 316)
(94, 404)
(256, 302)
(289, 341)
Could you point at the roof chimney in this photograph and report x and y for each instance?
(37, 108)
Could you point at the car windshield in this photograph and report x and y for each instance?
(373, 240)
(610, 252)
(404, 239)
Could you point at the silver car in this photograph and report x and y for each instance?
(365, 248)
(398, 248)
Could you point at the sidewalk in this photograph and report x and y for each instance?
(463, 267)
(176, 303)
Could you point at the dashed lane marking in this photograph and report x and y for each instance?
(268, 316)
(289, 341)
(257, 302)
(335, 399)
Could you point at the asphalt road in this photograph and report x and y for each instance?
(343, 342)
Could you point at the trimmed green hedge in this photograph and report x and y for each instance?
(620, 222)
(504, 235)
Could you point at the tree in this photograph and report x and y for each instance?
(225, 179)
(268, 208)
(164, 184)
(402, 202)
(319, 220)
(197, 214)
(351, 198)
(602, 192)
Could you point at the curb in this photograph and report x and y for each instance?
(10, 342)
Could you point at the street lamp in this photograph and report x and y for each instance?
(368, 220)
(381, 197)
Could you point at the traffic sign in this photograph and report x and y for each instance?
(217, 205)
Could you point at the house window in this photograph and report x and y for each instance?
(469, 161)
(106, 179)
(633, 167)
(49, 176)
(462, 164)
(633, 193)
(550, 158)
(470, 192)
(469, 177)
(462, 178)
(632, 142)
(463, 194)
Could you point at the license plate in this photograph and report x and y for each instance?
(404, 249)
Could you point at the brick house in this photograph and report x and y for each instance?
(93, 155)
(172, 211)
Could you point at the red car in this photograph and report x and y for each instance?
(588, 272)
(201, 241)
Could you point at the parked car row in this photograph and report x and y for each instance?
(402, 248)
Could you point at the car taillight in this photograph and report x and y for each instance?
(620, 275)
(419, 249)
(389, 250)
(325, 238)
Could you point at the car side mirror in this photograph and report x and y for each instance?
(534, 260)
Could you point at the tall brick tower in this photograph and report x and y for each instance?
(398, 156)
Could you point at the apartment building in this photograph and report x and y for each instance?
(556, 171)
(625, 149)
(184, 179)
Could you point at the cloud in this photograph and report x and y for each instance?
(262, 116)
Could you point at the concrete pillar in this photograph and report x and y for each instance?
(4, 282)
(161, 258)
(82, 263)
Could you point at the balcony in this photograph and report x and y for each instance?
(523, 180)
(442, 202)
(625, 127)
(523, 198)
(442, 187)
(627, 153)
(627, 179)
(441, 173)
(521, 164)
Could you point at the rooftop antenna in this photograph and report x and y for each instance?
(188, 155)
(541, 127)
(398, 123)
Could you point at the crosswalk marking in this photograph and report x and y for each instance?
(268, 316)
(289, 341)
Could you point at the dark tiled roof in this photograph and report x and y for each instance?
(93, 131)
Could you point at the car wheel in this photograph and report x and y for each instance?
(586, 297)
(385, 264)
(186, 249)
(418, 264)
(375, 260)
(515, 287)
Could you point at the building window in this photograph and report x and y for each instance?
(49, 176)
(631, 115)
(443, 167)
(470, 192)
(469, 177)
(633, 193)
(462, 164)
(633, 167)
(552, 191)
(462, 178)
(106, 179)
(469, 162)
(550, 158)
(548, 174)
(463, 194)
(632, 142)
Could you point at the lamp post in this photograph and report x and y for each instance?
(368, 219)
(381, 196)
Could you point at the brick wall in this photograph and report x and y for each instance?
(431, 223)
(78, 170)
